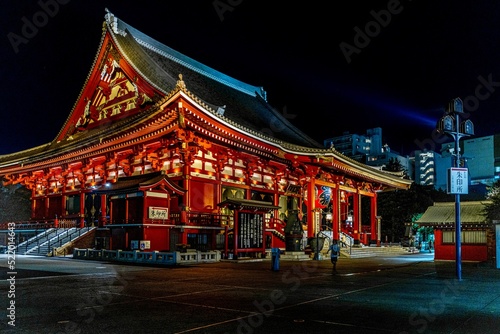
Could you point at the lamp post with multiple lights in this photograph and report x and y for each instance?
(452, 124)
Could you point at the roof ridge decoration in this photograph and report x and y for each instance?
(113, 23)
(180, 83)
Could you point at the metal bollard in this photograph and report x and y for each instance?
(275, 259)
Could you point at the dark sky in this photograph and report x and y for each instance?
(348, 66)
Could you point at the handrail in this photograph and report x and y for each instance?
(36, 239)
(349, 241)
(326, 235)
(49, 238)
(53, 245)
(46, 240)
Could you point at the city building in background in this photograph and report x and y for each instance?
(358, 146)
(480, 155)
(425, 167)
(369, 149)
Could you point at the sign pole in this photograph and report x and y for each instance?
(458, 248)
(451, 124)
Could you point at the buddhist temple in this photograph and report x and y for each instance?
(160, 151)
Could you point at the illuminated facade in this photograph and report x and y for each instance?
(160, 150)
(425, 170)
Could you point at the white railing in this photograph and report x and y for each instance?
(162, 258)
(347, 239)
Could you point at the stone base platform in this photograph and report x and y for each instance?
(294, 256)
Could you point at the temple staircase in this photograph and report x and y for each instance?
(277, 228)
(371, 251)
(349, 249)
(44, 243)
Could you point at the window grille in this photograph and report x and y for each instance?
(466, 237)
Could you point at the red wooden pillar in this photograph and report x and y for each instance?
(311, 212)
(46, 211)
(183, 221)
(33, 203)
(111, 218)
(183, 218)
(226, 241)
(373, 221)
(236, 232)
(276, 202)
(63, 205)
(187, 182)
(144, 215)
(103, 210)
(127, 218)
(335, 213)
(82, 209)
(187, 197)
(356, 217)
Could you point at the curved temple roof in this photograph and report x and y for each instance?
(242, 103)
(230, 101)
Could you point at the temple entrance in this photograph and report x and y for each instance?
(248, 233)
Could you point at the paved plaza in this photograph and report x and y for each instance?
(385, 294)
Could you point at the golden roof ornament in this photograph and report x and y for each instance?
(180, 83)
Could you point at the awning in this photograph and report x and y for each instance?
(141, 182)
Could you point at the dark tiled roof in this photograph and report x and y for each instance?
(244, 104)
(470, 212)
(245, 108)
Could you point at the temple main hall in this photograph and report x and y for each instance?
(160, 151)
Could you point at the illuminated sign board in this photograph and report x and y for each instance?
(458, 181)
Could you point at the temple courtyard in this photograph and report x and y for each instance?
(384, 294)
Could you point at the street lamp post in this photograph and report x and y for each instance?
(451, 124)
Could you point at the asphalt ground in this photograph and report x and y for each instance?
(390, 294)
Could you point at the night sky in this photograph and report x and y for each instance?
(350, 66)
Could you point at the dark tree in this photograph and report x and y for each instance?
(492, 210)
(400, 207)
(15, 203)
(395, 166)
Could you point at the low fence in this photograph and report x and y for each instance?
(156, 258)
(28, 225)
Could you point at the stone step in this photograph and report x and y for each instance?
(294, 256)
(362, 252)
